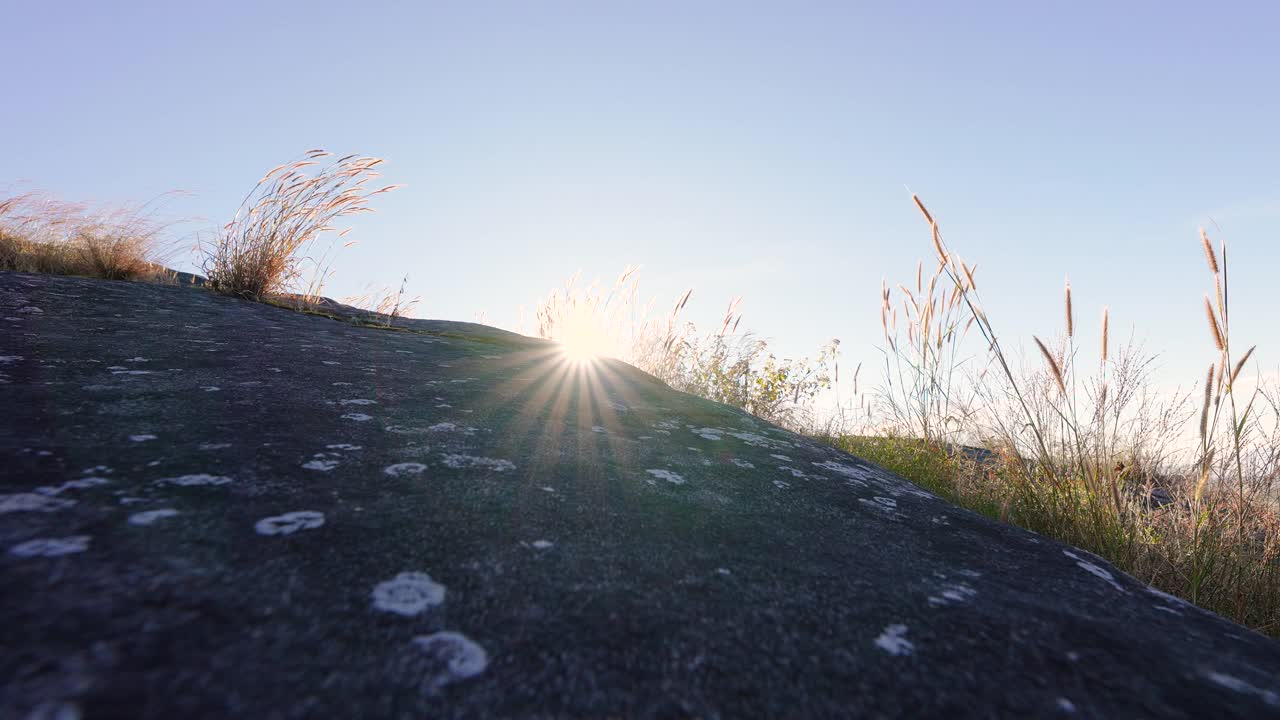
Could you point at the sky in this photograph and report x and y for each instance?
(763, 150)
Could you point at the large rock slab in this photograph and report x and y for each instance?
(215, 508)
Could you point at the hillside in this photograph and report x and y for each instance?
(211, 507)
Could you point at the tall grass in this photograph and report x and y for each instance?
(1084, 451)
(42, 233)
(269, 247)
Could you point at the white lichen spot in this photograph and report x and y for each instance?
(402, 430)
(32, 502)
(755, 440)
(358, 401)
(402, 469)
(213, 446)
(341, 384)
(358, 417)
(743, 463)
(783, 458)
(1066, 705)
(457, 656)
(320, 464)
(210, 388)
(194, 480)
(883, 504)
(1235, 684)
(142, 438)
(548, 488)
(667, 475)
(51, 547)
(542, 544)
(781, 484)
(894, 642)
(599, 429)
(289, 523)
(458, 461)
(408, 594)
(150, 516)
(849, 471)
(709, 433)
(723, 571)
(1094, 569)
(452, 427)
(81, 484)
(953, 594)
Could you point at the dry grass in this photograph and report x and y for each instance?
(269, 247)
(386, 305)
(1086, 453)
(43, 234)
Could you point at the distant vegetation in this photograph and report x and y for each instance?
(1078, 448)
(40, 233)
(726, 365)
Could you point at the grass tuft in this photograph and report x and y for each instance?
(266, 249)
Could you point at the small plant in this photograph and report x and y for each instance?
(740, 370)
(266, 249)
(385, 305)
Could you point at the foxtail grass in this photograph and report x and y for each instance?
(270, 246)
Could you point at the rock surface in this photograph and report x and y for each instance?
(215, 508)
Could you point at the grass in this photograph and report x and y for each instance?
(385, 305)
(40, 233)
(1083, 451)
(269, 247)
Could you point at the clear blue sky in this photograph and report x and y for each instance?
(741, 148)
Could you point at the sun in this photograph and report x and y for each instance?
(583, 339)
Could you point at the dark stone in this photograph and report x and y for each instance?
(506, 535)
